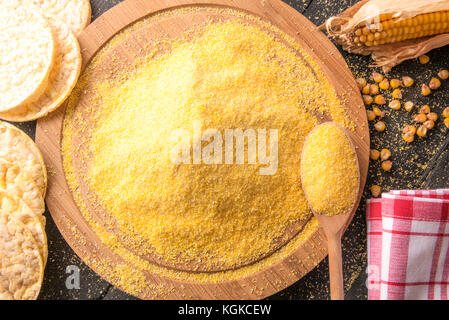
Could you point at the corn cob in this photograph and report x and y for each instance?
(390, 30)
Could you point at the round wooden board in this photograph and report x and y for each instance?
(269, 279)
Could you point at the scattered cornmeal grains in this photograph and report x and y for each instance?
(329, 170)
(204, 216)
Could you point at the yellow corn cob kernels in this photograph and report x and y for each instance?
(394, 30)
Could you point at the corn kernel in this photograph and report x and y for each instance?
(397, 94)
(380, 126)
(395, 83)
(370, 115)
(375, 191)
(424, 59)
(386, 165)
(446, 112)
(429, 124)
(367, 99)
(379, 113)
(424, 109)
(422, 131)
(443, 74)
(395, 105)
(408, 106)
(408, 137)
(385, 154)
(425, 90)
(361, 83)
(365, 89)
(446, 122)
(432, 116)
(384, 84)
(434, 84)
(374, 154)
(380, 100)
(407, 81)
(373, 89)
(409, 129)
(420, 118)
(377, 77)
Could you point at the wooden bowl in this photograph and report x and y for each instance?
(273, 274)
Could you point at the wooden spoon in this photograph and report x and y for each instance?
(334, 227)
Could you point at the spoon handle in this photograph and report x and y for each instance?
(335, 267)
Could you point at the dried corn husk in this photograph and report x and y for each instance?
(388, 55)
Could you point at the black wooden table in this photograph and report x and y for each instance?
(420, 165)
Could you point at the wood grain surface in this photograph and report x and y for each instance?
(77, 231)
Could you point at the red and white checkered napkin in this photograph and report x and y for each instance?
(408, 245)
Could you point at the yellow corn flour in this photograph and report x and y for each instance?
(230, 75)
(329, 170)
